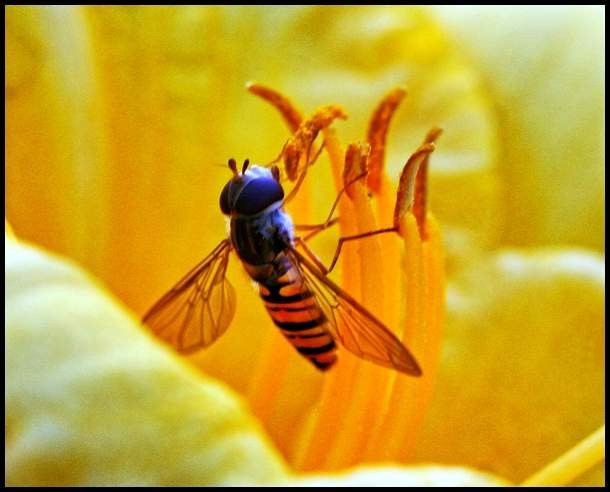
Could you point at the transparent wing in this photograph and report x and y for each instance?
(199, 308)
(353, 326)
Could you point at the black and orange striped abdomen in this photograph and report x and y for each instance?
(294, 310)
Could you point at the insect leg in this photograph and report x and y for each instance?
(299, 182)
(271, 163)
(302, 176)
(315, 228)
(329, 220)
(340, 194)
(318, 152)
(354, 237)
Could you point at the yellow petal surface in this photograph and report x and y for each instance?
(522, 376)
(544, 69)
(93, 400)
(594, 477)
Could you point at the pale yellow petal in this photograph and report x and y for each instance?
(595, 477)
(405, 476)
(93, 400)
(544, 69)
(8, 230)
(522, 376)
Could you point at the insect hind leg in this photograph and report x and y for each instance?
(325, 271)
(317, 228)
(345, 239)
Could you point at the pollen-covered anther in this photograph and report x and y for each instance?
(377, 132)
(356, 165)
(291, 114)
(412, 187)
(421, 184)
(299, 146)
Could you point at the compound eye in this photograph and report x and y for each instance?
(257, 195)
(225, 199)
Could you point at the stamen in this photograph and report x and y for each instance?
(572, 464)
(421, 182)
(300, 144)
(356, 164)
(245, 166)
(376, 136)
(327, 419)
(292, 116)
(373, 259)
(304, 132)
(366, 259)
(406, 185)
(423, 302)
(433, 134)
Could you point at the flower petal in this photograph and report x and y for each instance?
(92, 400)
(522, 376)
(412, 476)
(544, 68)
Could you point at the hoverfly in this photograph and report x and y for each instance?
(311, 311)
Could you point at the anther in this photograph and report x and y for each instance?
(412, 189)
(376, 136)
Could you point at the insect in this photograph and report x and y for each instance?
(311, 311)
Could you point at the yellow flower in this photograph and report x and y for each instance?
(116, 118)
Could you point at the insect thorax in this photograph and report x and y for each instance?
(259, 240)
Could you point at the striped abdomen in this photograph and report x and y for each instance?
(294, 310)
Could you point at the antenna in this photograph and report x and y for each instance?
(233, 166)
(245, 166)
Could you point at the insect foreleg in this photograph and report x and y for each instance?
(299, 182)
(354, 237)
(318, 152)
(315, 229)
(329, 220)
(340, 194)
(271, 163)
(302, 176)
